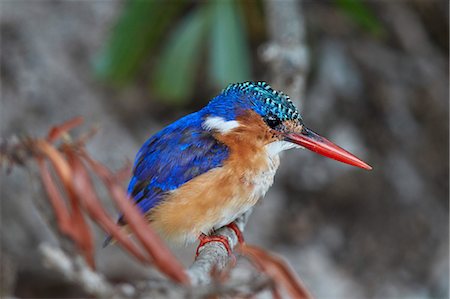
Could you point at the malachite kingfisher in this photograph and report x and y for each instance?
(203, 171)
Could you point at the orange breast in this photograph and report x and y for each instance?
(218, 196)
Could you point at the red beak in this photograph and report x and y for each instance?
(316, 143)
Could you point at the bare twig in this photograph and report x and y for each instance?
(77, 271)
(236, 289)
(286, 52)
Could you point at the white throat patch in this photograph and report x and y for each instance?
(276, 147)
(219, 124)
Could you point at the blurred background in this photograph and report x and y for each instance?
(370, 75)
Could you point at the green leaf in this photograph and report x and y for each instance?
(138, 30)
(176, 71)
(229, 56)
(360, 13)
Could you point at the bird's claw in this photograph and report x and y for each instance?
(204, 239)
(233, 226)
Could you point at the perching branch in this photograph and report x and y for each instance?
(213, 255)
(76, 270)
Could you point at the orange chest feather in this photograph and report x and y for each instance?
(218, 196)
(214, 199)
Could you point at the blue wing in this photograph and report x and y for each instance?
(172, 157)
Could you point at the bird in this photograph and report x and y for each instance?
(203, 171)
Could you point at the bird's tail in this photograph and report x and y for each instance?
(108, 241)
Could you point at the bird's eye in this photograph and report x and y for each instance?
(272, 121)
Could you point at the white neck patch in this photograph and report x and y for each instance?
(219, 124)
(276, 147)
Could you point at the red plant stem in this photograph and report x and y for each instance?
(55, 198)
(163, 258)
(82, 234)
(56, 131)
(91, 203)
(276, 268)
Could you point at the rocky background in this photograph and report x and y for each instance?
(347, 232)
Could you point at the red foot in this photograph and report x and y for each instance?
(237, 231)
(204, 239)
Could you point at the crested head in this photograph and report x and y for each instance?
(255, 109)
(256, 96)
(265, 100)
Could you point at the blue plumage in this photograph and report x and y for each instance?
(173, 156)
(184, 150)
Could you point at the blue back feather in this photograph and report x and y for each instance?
(173, 156)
